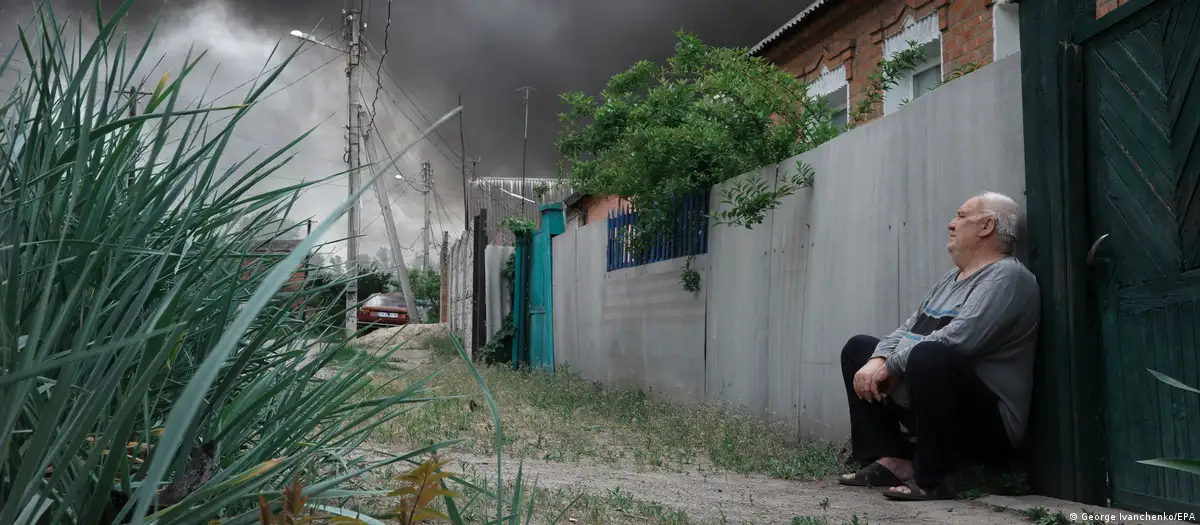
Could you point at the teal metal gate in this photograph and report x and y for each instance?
(533, 302)
(541, 289)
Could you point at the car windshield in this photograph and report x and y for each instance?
(386, 301)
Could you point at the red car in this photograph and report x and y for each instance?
(384, 308)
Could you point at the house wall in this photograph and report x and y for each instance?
(1104, 7)
(851, 32)
(853, 254)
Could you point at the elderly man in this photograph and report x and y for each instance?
(957, 374)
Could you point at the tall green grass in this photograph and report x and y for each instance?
(146, 374)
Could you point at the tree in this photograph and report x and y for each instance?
(427, 290)
(658, 133)
(373, 280)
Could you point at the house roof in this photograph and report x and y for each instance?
(278, 246)
(789, 27)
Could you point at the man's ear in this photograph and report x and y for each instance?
(988, 227)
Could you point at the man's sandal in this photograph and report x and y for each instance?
(916, 493)
(873, 475)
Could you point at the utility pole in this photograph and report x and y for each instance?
(525, 145)
(427, 177)
(394, 240)
(462, 162)
(478, 197)
(444, 262)
(351, 31)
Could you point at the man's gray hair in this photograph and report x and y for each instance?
(1007, 214)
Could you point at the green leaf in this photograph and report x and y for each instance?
(1191, 466)
(1171, 381)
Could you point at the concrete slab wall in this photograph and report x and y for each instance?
(854, 254)
(738, 309)
(498, 294)
(653, 330)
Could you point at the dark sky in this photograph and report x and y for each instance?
(483, 49)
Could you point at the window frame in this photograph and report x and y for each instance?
(828, 84)
(925, 31)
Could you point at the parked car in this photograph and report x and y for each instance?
(384, 309)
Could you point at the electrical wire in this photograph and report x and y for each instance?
(453, 161)
(391, 200)
(205, 127)
(379, 85)
(411, 101)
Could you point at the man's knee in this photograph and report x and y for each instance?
(858, 350)
(930, 358)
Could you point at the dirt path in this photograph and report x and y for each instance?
(707, 496)
(725, 497)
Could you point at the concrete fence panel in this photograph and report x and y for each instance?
(788, 267)
(738, 288)
(853, 266)
(654, 330)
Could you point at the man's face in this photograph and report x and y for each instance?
(969, 227)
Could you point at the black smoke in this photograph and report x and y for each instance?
(482, 49)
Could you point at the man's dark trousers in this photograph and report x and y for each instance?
(952, 414)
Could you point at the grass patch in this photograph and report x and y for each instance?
(1041, 516)
(562, 417)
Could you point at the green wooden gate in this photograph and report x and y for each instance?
(1141, 160)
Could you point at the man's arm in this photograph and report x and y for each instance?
(887, 345)
(993, 306)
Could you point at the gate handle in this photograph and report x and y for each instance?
(1091, 255)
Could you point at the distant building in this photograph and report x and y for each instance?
(273, 251)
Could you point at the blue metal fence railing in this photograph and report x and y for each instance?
(689, 235)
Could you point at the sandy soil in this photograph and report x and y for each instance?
(728, 497)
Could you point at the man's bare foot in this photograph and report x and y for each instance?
(947, 484)
(901, 468)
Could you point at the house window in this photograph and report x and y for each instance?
(839, 103)
(832, 85)
(928, 74)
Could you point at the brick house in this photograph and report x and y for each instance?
(271, 252)
(582, 209)
(835, 45)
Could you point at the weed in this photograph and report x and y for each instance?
(1041, 516)
(562, 417)
(810, 520)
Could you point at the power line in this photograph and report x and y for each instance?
(379, 85)
(393, 199)
(412, 121)
(411, 101)
(231, 115)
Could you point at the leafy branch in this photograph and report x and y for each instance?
(689, 278)
(884, 77)
(658, 132)
(540, 190)
(518, 225)
(748, 200)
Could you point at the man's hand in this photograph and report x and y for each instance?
(872, 381)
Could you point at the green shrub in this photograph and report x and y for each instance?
(147, 373)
